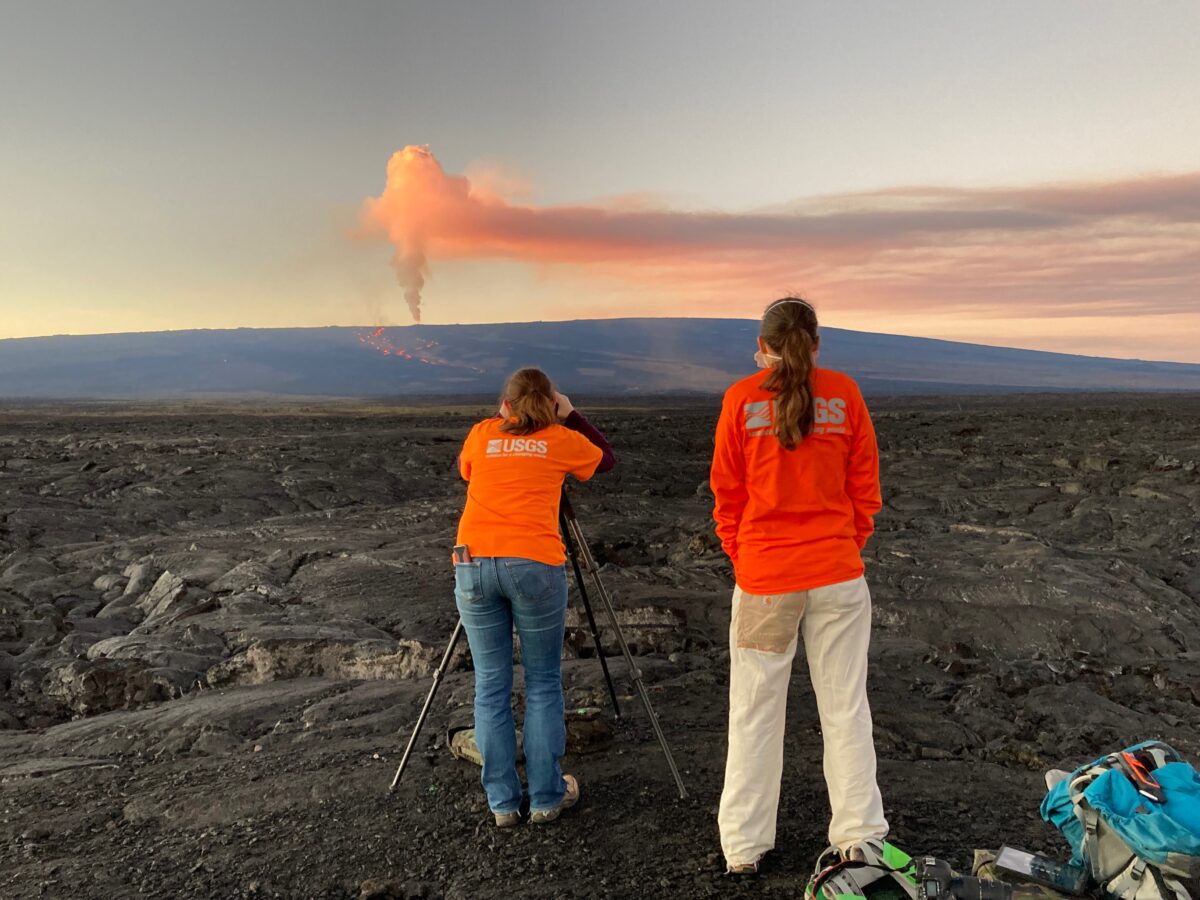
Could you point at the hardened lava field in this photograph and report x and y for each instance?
(217, 626)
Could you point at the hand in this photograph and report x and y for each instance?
(562, 406)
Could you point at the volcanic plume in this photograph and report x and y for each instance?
(408, 210)
(1074, 250)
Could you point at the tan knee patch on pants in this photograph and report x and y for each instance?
(770, 623)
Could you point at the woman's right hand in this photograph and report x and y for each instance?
(562, 405)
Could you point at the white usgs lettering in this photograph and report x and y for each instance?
(829, 412)
(517, 445)
(829, 416)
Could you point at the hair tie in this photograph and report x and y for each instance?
(790, 300)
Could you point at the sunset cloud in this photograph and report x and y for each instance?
(1118, 248)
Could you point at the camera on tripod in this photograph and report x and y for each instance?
(580, 554)
(937, 881)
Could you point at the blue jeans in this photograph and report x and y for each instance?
(493, 594)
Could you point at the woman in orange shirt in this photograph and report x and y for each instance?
(795, 474)
(515, 464)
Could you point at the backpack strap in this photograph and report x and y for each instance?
(883, 870)
(1091, 837)
(828, 858)
(1161, 753)
(1126, 883)
(838, 862)
(1136, 871)
(1163, 888)
(824, 874)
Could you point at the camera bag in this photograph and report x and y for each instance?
(1133, 820)
(891, 877)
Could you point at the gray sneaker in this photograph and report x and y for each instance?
(570, 798)
(507, 820)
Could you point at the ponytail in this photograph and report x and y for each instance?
(789, 327)
(530, 395)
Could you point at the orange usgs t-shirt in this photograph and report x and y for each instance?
(514, 485)
(792, 520)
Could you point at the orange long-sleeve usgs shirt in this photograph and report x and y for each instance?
(791, 520)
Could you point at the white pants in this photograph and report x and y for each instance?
(836, 622)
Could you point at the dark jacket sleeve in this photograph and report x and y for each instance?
(576, 422)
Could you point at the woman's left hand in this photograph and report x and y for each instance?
(562, 406)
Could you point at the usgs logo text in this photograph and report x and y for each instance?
(517, 445)
(760, 415)
(829, 412)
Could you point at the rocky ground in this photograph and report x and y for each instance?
(217, 626)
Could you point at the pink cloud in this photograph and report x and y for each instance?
(1117, 248)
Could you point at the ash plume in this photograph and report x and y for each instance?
(1082, 249)
(411, 269)
(414, 205)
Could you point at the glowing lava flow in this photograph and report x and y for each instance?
(421, 351)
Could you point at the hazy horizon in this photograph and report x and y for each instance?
(1012, 175)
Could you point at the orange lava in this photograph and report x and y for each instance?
(422, 351)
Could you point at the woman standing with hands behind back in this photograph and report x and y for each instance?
(513, 574)
(795, 474)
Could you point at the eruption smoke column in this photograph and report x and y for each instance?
(411, 270)
(419, 199)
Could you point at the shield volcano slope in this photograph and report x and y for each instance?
(605, 357)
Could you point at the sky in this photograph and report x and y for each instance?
(1024, 174)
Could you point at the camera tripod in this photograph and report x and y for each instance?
(581, 561)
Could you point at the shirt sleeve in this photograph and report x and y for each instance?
(728, 477)
(465, 456)
(577, 422)
(862, 473)
(580, 456)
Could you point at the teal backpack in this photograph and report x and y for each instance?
(1133, 820)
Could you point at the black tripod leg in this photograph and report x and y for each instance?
(437, 680)
(590, 565)
(587, 607)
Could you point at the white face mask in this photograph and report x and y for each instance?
(765, 360)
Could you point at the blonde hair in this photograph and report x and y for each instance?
(530, 395)
(789, 327)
